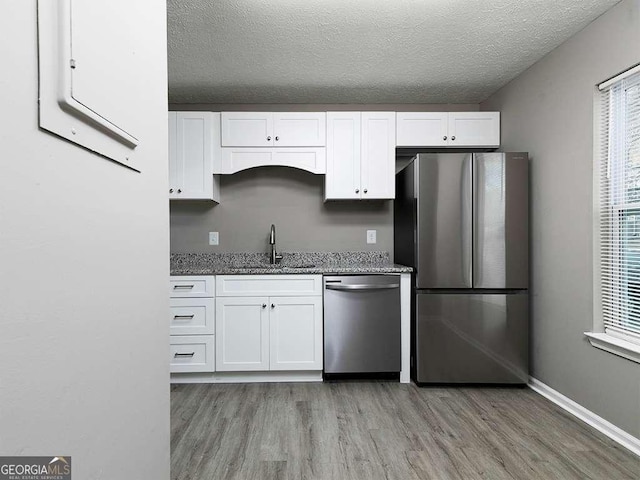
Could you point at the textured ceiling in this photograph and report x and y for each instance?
(361, 51)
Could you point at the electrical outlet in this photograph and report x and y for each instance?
(214, 239)
(371, 236)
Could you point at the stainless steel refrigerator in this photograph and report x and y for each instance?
(461, 220)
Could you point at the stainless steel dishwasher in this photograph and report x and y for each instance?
(361, 324)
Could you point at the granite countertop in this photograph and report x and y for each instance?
(292, 263)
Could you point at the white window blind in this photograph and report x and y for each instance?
(620, 206)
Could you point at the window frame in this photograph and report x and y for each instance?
(618, 343)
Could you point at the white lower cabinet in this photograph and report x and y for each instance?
(270, 332)
(191, 353)
(191, 324)
(295, 333)
(191, 316)
(242, 334)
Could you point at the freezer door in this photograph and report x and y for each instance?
(472, 338)
(500, 220)
(444, 221)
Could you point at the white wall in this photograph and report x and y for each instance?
(83, 276)
(548, 111)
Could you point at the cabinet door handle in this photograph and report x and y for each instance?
(273, 305)
(264, 305)
(453, 137)
(365, 190)
(171, 190)
(268, 139)
(277, 138)
(183, 317)
(444, 138)
(184, 354)
(357, 190)
(185, 287)
(179, 191)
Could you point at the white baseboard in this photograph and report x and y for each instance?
(616, 434)
(247, 377)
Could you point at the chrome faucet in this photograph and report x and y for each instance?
(275, 257)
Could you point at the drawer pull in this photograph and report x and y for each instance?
(183, 317)
(184, 354)
(186, 287)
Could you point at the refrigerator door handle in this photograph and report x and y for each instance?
(467, 219)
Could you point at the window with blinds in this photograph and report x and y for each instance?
(620, 205)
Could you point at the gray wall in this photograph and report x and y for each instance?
(292, 199)
(549, 111)
(84, 246)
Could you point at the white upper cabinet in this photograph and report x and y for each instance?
(267, 129)
(194, 140)
(258, 139)
(422, 129)
(305, 129)
(342, 179)
(452, 129)
(469, 129)
(360, 155)
(378, 159)
(247, 129)
(236, 159)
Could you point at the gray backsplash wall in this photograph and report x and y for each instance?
(291, 199)
(548, 110)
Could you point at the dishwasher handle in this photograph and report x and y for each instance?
(387, 286)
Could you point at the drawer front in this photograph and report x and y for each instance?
(191, 353)
(192, 286)
(192, 316)
(265, 285)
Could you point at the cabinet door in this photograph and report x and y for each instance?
(422, 129)
(174, 168)
(300, 129)
(295, 325)
(342, 180)
(473, 129)
(378, 159)
(194, 156)
(242, 334)
(247, 129)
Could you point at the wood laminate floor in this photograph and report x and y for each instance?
(383, 430)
